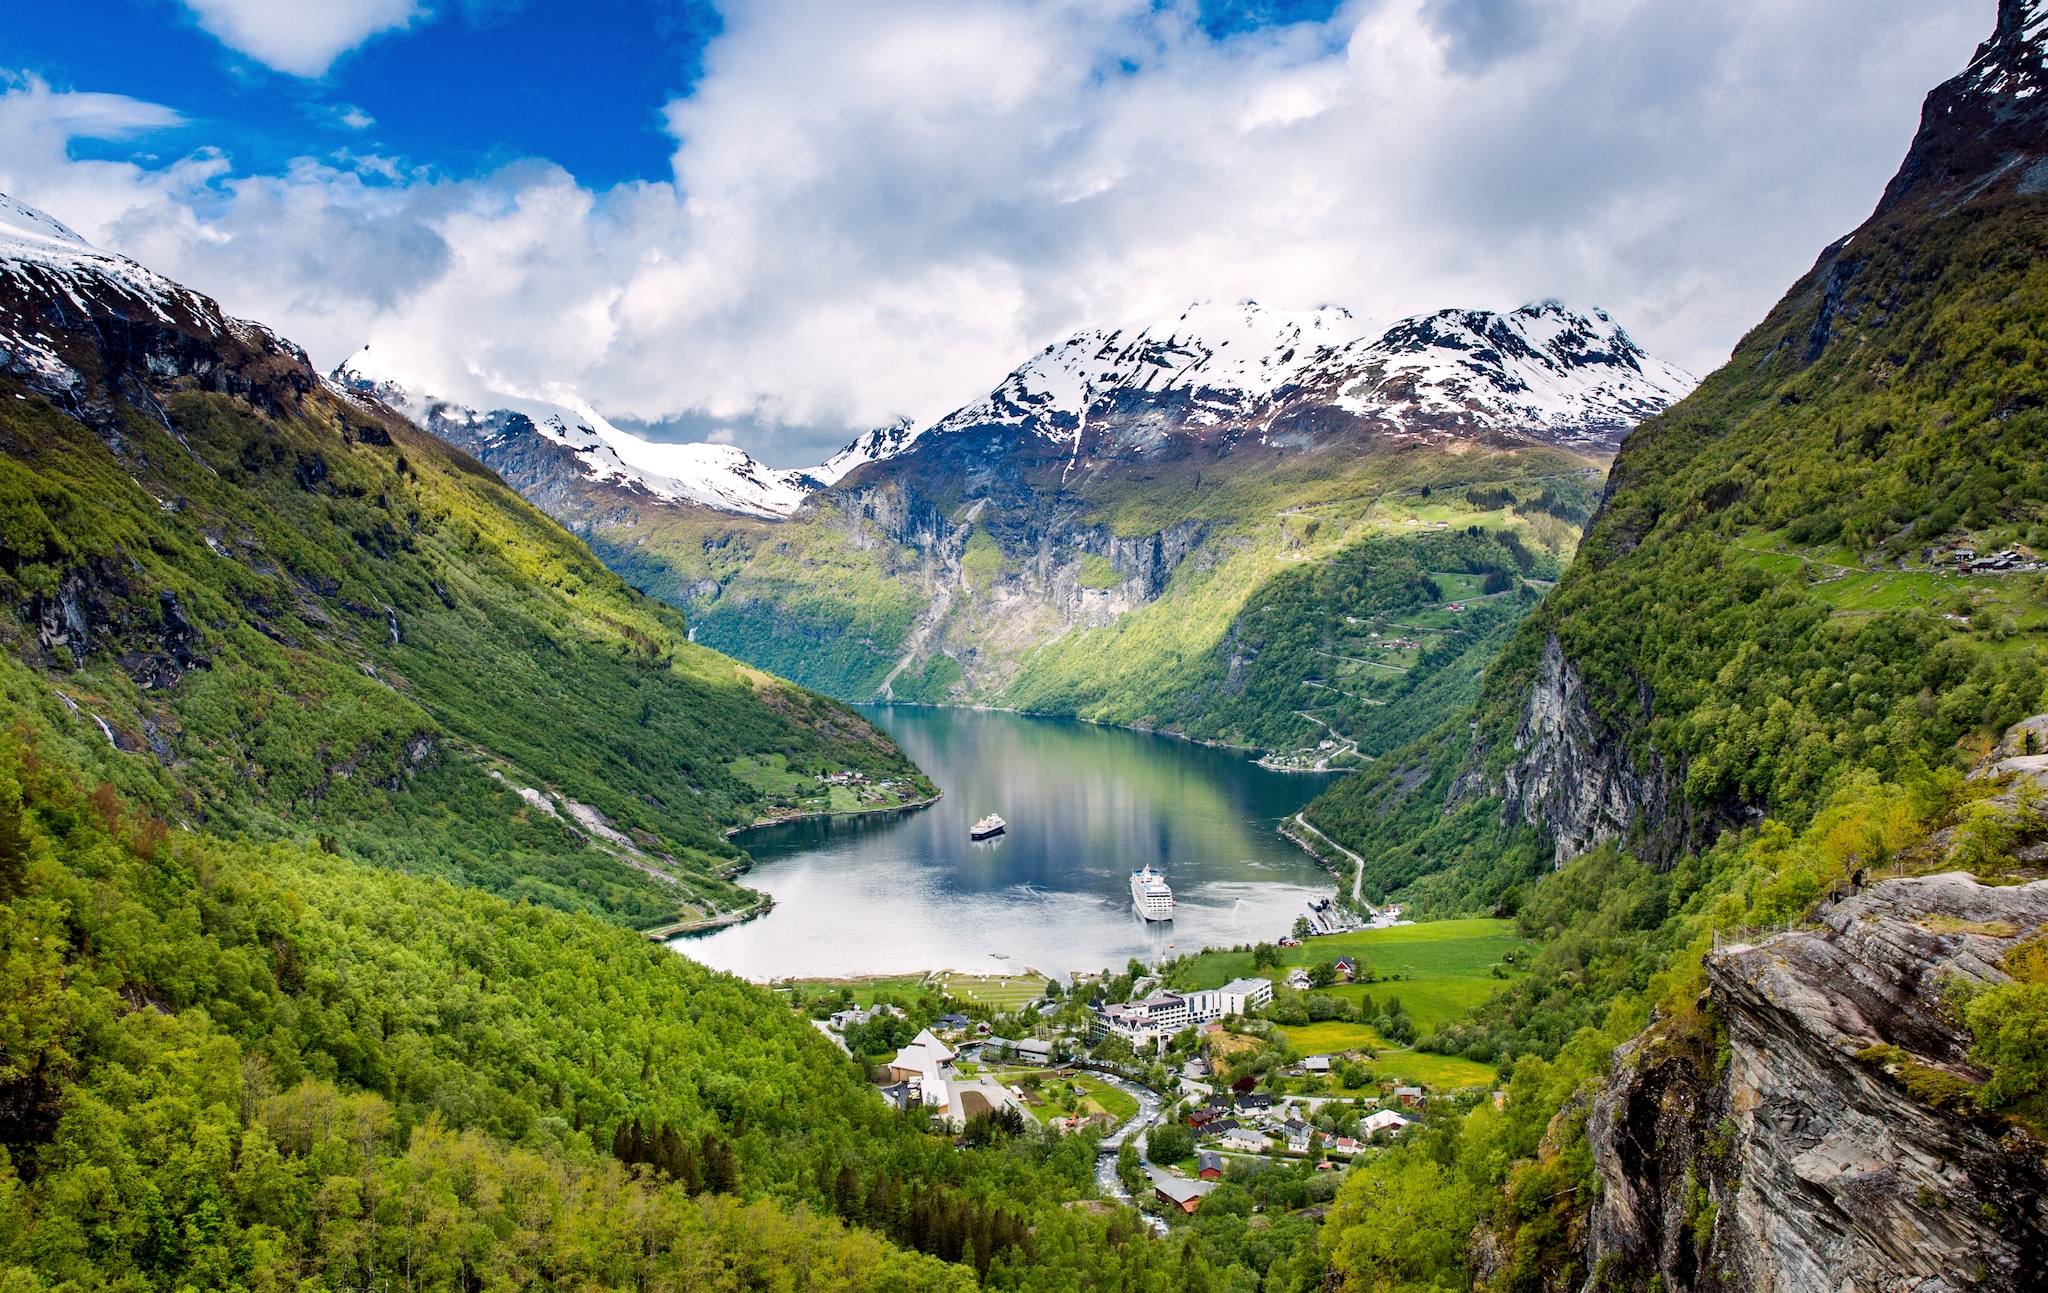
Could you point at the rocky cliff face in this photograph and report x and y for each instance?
(1983, 140)
(98, 333)
(1833, 1145)
(1572, 772)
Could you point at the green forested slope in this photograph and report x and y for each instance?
(1106, 594)
(1783, 647)
(309, 619)
(1360, 646)
(260, 1066)
(1776, 573)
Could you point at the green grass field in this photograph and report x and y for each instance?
(1330, 1037)
(1097, 1096)
(1428, 1002)
(1001, 992)
(1409, 1068)
(1444, 949)
(1444, 1072)
(867, 990)
(1444, 968)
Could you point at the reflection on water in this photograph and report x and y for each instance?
(1086, 805)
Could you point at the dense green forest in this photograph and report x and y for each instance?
(1773, 598)
(311, 620)
(260, 1066)
(1362, 646)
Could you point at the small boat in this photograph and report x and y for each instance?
(987, 828)
(1149, 891)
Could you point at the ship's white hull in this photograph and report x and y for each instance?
(1150, 895)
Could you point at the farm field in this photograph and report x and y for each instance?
(1000, 992)
(1444, 949)
(1444, 1072)
(1428, 1002)
(1408, 1068)
(866, 990)
(1330, 1037)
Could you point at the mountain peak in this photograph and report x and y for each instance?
(1986, 125)
(2012, 61)
(1543, 371)
(20, 222)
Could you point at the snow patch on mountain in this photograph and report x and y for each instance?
(1224, 359)
(876, 445)
(1543, 371)
(718, 476)
(51, 260)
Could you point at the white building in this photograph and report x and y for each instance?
(1237, 997)
(1160, 1015)
(1164, 1013)
(1384, 1120)
(927, 1066)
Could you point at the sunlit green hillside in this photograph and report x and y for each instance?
(310, 621)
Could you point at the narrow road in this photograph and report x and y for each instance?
(1357, 863)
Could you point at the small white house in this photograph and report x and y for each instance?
(1385, 1120)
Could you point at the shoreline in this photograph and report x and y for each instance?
(706, 924)
(1263, 751)
(913, 806)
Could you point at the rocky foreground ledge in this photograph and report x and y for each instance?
(1830, 1143)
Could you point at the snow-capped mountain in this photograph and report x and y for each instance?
(880, 443)
(1543, 372)
(49, 265)
(1224, 360)
(719, 476)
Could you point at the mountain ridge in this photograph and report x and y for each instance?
(992, 556)
(265, 602)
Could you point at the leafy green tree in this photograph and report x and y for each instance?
(1170, 1143)
(1130, 1172)
(2010, 1025)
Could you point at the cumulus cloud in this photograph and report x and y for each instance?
(299, 37)
(879, 206)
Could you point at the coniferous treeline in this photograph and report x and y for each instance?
(708, 1164)
(931, 1218)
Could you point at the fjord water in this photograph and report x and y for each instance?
(1086, 805)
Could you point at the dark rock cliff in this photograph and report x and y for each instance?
(1806, 1154)
(1585, 766)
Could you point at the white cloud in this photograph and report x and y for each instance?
(300, 37)
(30, 105)
(879, 206)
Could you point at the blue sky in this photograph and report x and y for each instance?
(781, 222)
(462, 90)
(580, 82)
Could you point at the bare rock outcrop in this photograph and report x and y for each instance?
(1831, 1146)
(1573, 773)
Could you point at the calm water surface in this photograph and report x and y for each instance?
(1086, 805)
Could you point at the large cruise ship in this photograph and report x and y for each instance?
(1149, 891)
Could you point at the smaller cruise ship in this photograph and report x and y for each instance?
(987, 828)
(1149, 891)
